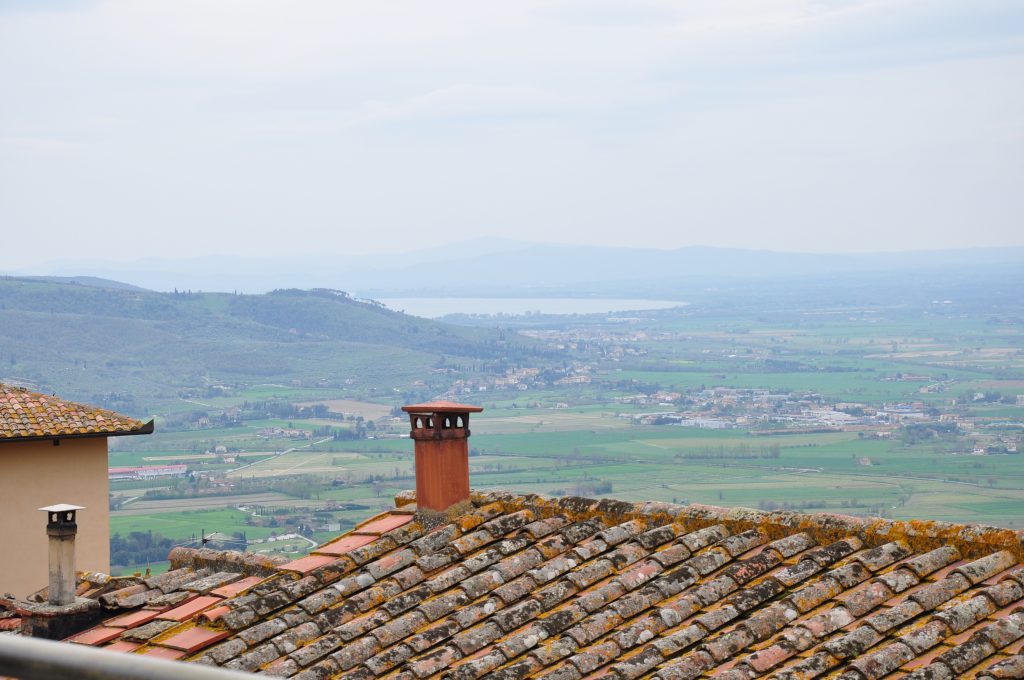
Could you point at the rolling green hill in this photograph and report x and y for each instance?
(102, 344)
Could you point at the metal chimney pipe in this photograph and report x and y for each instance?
(61, 528)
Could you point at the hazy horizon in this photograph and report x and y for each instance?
(189, 129)
(501, 268)
(451, 249)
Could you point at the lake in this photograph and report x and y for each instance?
(433, 308)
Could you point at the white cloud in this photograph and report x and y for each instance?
(221, 125)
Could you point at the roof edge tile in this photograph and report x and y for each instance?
(970, 540)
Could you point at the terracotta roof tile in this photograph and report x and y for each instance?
(307, 564)
(236, 587)
(12, 623)
(132, 619)
(384, 523)
(163, 653)
(1011, 667)
(96, 636)
(26, 415)
(521, 587)
(194, 639)
(122, 646)
(346, 544)
(190, 608)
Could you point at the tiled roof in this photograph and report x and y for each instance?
(29, 415)
(524, 587)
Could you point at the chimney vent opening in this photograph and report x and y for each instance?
(440, 431)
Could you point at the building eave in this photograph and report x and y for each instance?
(147, 428)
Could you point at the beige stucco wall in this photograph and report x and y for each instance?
(36, 474)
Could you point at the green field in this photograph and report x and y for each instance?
(182, 524)
(964, 361)
(814, 472)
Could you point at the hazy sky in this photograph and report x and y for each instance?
(182, 128)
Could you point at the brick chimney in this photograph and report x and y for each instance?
(441, 432)
(61, 528)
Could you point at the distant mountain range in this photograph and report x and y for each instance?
(494, 267)
(586, 271)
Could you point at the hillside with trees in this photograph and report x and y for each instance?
(104, 344)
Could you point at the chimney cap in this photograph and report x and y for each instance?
(442, 407)
(62, 507)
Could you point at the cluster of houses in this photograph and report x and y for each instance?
(283, 433)
(725, 407)
(613, 344)
(522, 379)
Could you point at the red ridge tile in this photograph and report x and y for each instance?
(194, 639)
(344, 544)
(164, 653)
(191, 608)
(383, 524)
(96, 636)
(232, 589)
(306, 564)
(122, 646)
(133, 619)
